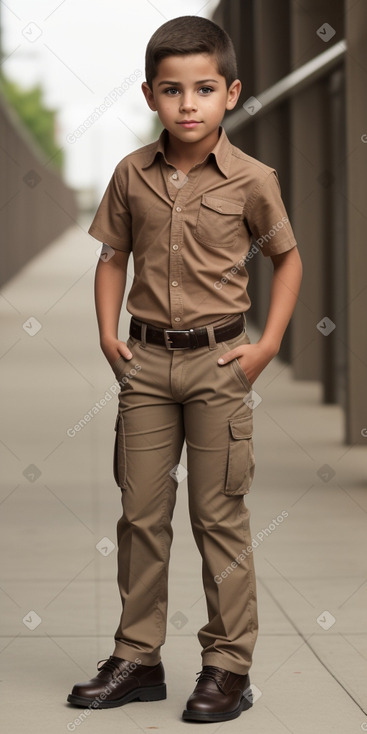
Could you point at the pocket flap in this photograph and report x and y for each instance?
(241, 427)
(223, 206)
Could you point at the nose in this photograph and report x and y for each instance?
(188, 102)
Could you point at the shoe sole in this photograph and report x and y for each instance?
(244, 704)
(153, 693)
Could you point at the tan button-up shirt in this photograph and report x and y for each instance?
(191, 236)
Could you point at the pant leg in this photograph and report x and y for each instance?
(148, 446)
(220, 464)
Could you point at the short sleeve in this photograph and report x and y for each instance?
(112, 221)
(267, 219)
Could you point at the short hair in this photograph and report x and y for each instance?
(191, 34)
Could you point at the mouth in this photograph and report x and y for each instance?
(189, 123)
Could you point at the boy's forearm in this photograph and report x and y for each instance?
(109, 289)
(285, 287)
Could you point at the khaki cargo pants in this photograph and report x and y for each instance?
(166, 397)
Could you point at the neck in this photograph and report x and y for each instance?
(185, 155)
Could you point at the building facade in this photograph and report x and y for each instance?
(306, 66)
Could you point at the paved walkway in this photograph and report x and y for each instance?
(60, 603)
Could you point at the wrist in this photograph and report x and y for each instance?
(108, 342)
(270, 346)
(107, 338)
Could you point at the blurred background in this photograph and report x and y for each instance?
(71, 107)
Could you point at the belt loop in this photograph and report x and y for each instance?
(211, 338)
(143, 336)
(244, 322)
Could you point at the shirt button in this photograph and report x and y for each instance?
(174, 176)
(178, 208)
(174, 247)
(177, 318)
(174, 283)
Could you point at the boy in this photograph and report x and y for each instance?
(187, 207)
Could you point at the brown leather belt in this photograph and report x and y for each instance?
(187, 338)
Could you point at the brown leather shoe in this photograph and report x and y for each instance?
(219, 695)
(118, 682)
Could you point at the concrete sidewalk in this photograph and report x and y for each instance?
(60, 603)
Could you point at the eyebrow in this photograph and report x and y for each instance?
(202, 81)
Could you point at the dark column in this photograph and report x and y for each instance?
(311, 181)
(272, 61)
(356, 109)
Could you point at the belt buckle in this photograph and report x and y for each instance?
(167, 340)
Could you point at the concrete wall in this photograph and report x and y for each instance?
(315, 141)
(35, 205)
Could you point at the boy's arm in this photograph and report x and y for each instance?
(109, 289)
(285, 287)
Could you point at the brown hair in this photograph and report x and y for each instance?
(191, 34)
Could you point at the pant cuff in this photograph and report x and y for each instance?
(221, 661)
(135, 656)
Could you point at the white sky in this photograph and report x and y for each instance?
(79, 51)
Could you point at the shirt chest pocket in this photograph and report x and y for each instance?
(219, 222)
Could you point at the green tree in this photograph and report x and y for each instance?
(40, 121)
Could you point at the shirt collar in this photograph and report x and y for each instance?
(221, 151)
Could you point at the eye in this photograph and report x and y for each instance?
(206, 90)
(171, 91)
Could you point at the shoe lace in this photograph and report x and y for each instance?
(208, 673)
(108, 664)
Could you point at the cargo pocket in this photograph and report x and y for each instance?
(119, 454)
(241, 459)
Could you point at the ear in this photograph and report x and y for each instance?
(149, 96)
(233, 94)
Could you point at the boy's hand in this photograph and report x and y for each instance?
(252, 358)
(112, 348)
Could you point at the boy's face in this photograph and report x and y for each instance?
(190, 96)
